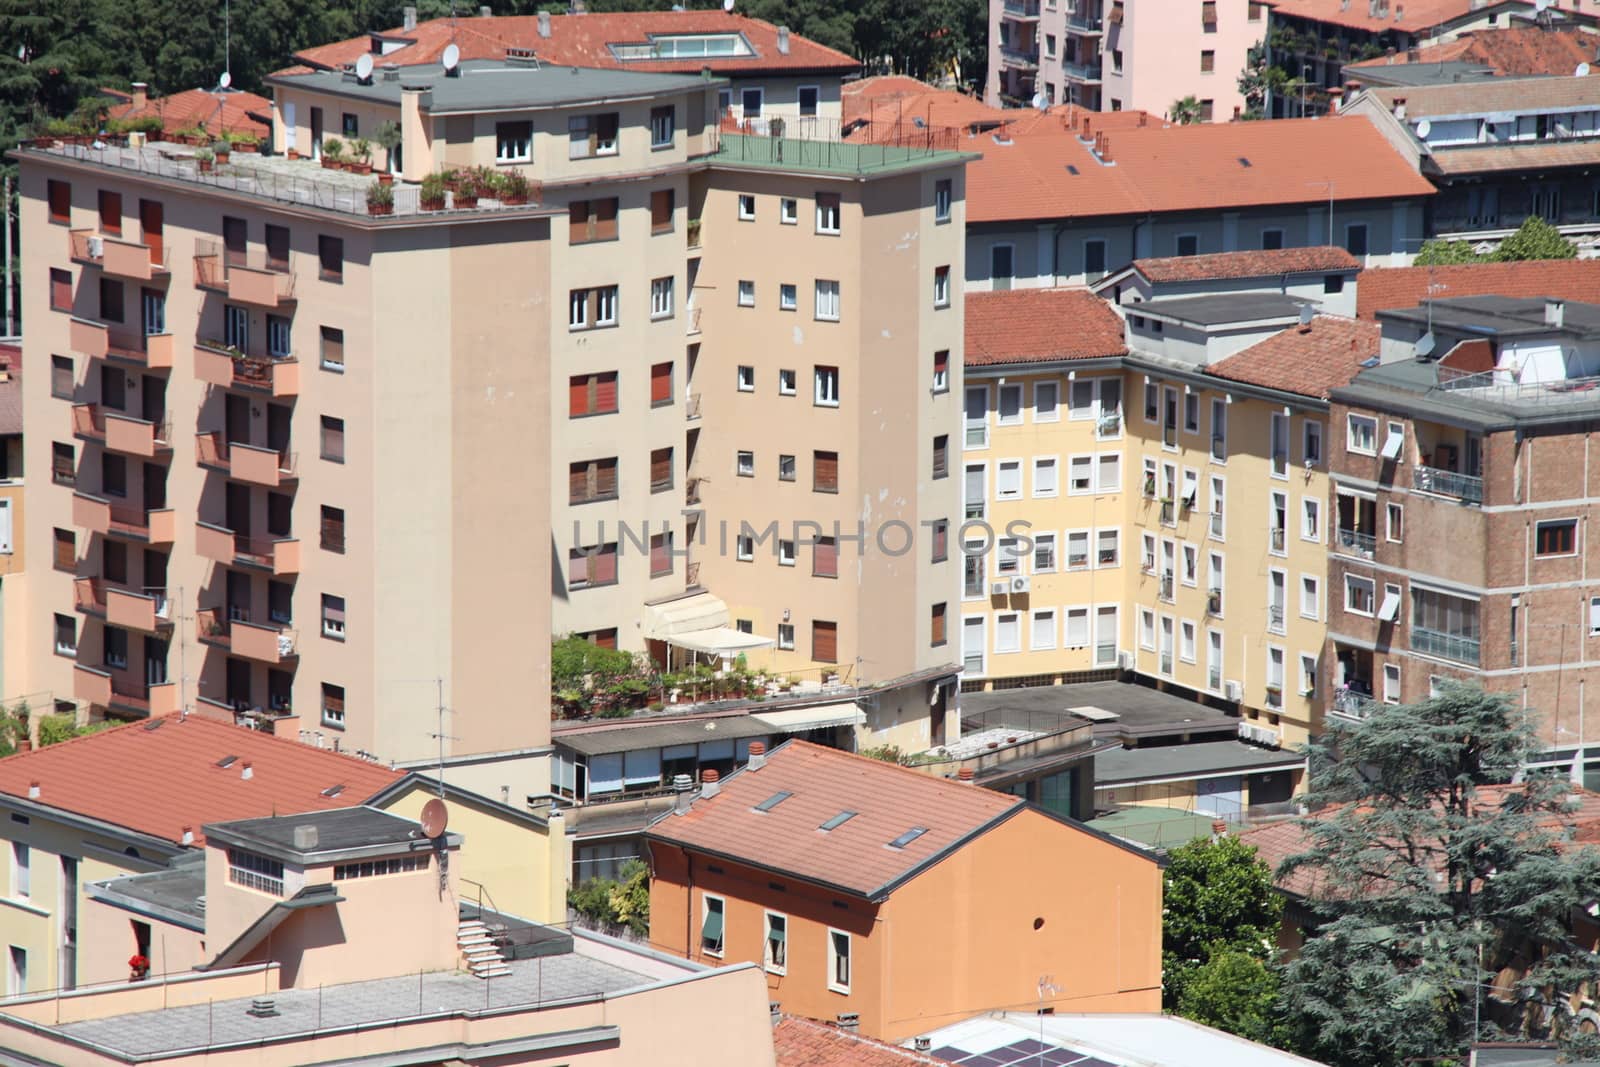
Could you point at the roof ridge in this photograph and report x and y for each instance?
(918, 775)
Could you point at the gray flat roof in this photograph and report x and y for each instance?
(660, 735)
(1451, 72)
(1413, 387)
(304, 1011)
(1219, 309)
(172, 893)
(1501, 316)
(1189, 761)
(342, 830)
(494, 85)
(1136, 710)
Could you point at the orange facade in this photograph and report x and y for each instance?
(1033, 900)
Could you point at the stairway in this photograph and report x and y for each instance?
(483, 959)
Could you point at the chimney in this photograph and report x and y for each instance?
(409, 21)
(1144, 117)
(849, 1021)
(1219, 828)
(923, 1044)
(33, 790)
(1413, 55)
(485, 11)
(1555, 313)
(246, 773)
(964, 774)
(544, 24)
(783, 40)
(188, 835)
(141, 95)
(681, 784)
(1105, 149)
(710, 784)
(758, 755)
(305, 838)
(1237, 111)
(775, 1009)
(579, 7)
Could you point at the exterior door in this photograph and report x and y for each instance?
(113, 388)
(151, 221)
(239, 684)
(238, 595)
(153, 400)
(316, 133)
(236, 420)
(155, 661)
(69, 923)
(936, 715)
(238, 509)
(155, 487)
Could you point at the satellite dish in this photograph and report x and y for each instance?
(452, 56)
(727, 5)
(1424, 349)
(1039, 102)
(434, 818)
(1307, 313)
(226, 80)
(1582, 71)
(364, 67)
(1424, 128)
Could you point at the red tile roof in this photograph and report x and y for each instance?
(235, 111)
(1518, 50)
(1263, 264)
(158, 776)
(584, 40)
(1409, 16)
(1204, 167)
(1309, 360)
(1039, 326)
(894, 100)
(1406, 287)
(823, 782)
(808, 1043)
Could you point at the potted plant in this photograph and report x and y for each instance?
(361, 156)
(380, 199)
(513, 188)
(466, 196)
(1214, 602)
(205, 157)
(432, 194)
(243, 141)
(332, 153)
(138, 967)
(221, 150)
(389, 138)
(452, 179)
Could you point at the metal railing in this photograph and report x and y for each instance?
(877, 153)
(1458, 647)
(1464, 487)
(1088, 72)
(1351, 704)
(1084, 22)
(1025, 8)
(1363, 543)
(1017, 57)
(1278, 534)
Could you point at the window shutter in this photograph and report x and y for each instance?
(661, 210)
(661, 466)
(825, 641)
(151, 216)
(111, 212)
(605, 393)
(660, 557)
(941, 361)
(938, 624)
(578, 483)
(605, 565)
(941, 538)
(66, 550)
(61, 290)
(604, 639)
(661, 383)
(826, 470)
(577, 222)
(578, 394)
(605, 219)
(826, 558)
(606, 478)
(577, 568)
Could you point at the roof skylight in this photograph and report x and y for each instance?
(909, 836)
(773, 801)
(838, 820)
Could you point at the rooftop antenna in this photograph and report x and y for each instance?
(1040, 103)
(441, 736)
(1424, 128)
(227, 43)
(1047, 988)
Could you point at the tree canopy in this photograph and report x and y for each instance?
(1534, 239)
(1218, 900)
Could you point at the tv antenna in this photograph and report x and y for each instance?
(440, 735)
(227, 43)
(1047, 989)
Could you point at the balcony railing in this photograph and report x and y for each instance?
(1457, 647)
(145, 610)
(1083, 72)
(158, 526)
(113, 255)
(1020, 9)
(1084, 22)
(1467, 488)
(273, 643)
(220, 364)
(117, 690)
(220, 544)
(87, 423)
(1019, 59)
(247, 463)
(249, 277)
(96, 340)
(1356, 541)
(1351, 704)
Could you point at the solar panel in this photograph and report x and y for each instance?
(773, 801)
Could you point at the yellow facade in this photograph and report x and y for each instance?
(1168, 523)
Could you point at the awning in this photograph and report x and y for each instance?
(718, 640)
(799, 720)
(687, 614)
(1391, 607)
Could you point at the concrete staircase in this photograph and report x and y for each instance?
(477, 947)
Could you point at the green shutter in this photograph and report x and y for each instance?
(777, 932)
(712, 930)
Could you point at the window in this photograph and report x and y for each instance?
(1044, 476)
(663, 125)
(111, 308)
(1394, 523)
(330, 258)
(807, 99)
(711, 915)
(1008, 632)
(62, 384)
(746, 464)
(113, 475)
(786, 636)
(1391, 683)
(838, 961)
(1207, 110)
(1191, 565)
(1108, 473)
(941, 287)
(941, 540)
(332, 528)
(1310, 596)
(827, 301)
(63, 464)
(662, 206)
(824, 641)
(592, 394)
(776, 953)
(825, 472)
(744, 548)
(1008, 480)
(745, 376)
(828, 213)
(1108, 548)
(1186, 641)
(788, 211)
(1191, 412)
(661, 298)
(786, 553)
(592, 135)
(333, 706)
(592, 220)
(1312, 443)
(661, 469)
(977, 417)
(750, 102)
(1355, 238)
(1094, 259)
(1443, 625)
(1208, 15)
(788, 298)
(941, 371)
(592, 566)
(1044, 553)
(332, 439)
(937, 625)
(59, 195)
(1214, 660)
(21, 870)
(941, 455)
(278, 336)
(786, 467)
(1255, 11)
(1310, 518)
(1187, 244)
(332, 349)
(747, 293)
(1042, 632)
(1272, 239)
(1046, 396)
(1147, 630)
(1362, 435)
(116, 647)
(1208, 61)
(589, 309)
(1557, 537)
(592, 480)
(513, 142)
(333, 616)
(1001, 266)
(1077, 550)
(1280, 445)
(942, 191)
(1358, 595)
(1010, 406)
(60, 289)
(66, 635)
(825, 382)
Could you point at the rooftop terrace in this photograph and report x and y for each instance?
(770, 151)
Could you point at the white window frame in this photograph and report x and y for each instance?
(767, 962)
(1278, 579)
(967, 423)
(787, 385)
(941, 287)
(747, 293)
(1187, 644)
(1046, 541)
(825, 386)
(1000, 467)
(661, 297)
(1152, 402)
(827, 300)
(1390, 510)
(1311, 451)
(1577, 537)
(1352, 420)
(1114, 612)
(941, 378)
(1070, 612)
(1053, 465)
(1167, 645)
(1216, 575)
(1310, 596)
(21, 871)
(788, 211)
(1278, 433)
(1009, 559)
(1084, 536)
(1097, 547)
(786, 636)
(982, 629)
(1190, 574)
(1055, 407)
(1217, 508)
(1147, 630)
(822, 227)
(788, 297)
(1352, 580)
(1391, 671)
(744, 548)
(747, 207)
(1277, 501)
(1191, 400)
(671, 123)
(1219, 440)
(502, 156)
(1311, 528)
(705, 910)
(1000, 619)
(1106, 485)
(1087, 461)
(745, 377)
(786, 553)
(1034, 618)
(1214, 659)
(1000, 405)
(744, 463)
(1147, 556)
(833, 957)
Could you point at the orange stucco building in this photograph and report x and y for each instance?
(870, 890)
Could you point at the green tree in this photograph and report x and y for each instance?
(1446, 253)
(1218, 899)
(630, 897)
(1237, 992)
(1260, 83)
(1534, 239)
(1433, 884)
(1185, 112)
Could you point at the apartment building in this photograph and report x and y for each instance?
(1512, 50)
(1473, 433)
(13, 558)
(1068, 197)
(1122, 55)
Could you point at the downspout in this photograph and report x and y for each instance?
(1055, 254)
(688, 906)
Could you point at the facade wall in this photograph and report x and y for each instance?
(106, 941)
(1161, 56)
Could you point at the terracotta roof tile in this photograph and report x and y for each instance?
(234, 111)
(1521, 50)
(584, 40)
(1488, 95)
(1040, 325)
(1047, 172)
(808, 1043)
(1309, 360)
(157, 776)
(1410, 16)
(897, 101)
(1406, 287)
(1262, 264)
(855, 856)
(1485, 159)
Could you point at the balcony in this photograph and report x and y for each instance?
(1351, 704)
(147, 611)
(246, 463)
(119, 432)
(118, 691)
(1363, 544)
(691, 320)
(224, 366)
(271, 644)
(691, 491)
(1081, 72)
(243, 277)
(1017, 59)
(1466, 488)
(278, 556)
(691, 406)
(98, 341)
(1020, 10)
(158, 526)
(1457, 647)
(1084, 22)
(119, 258)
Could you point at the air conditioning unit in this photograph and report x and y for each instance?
(1233, 691)
(1125, 660)
(1259, 735)
(998, 588)
(1021, 584)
